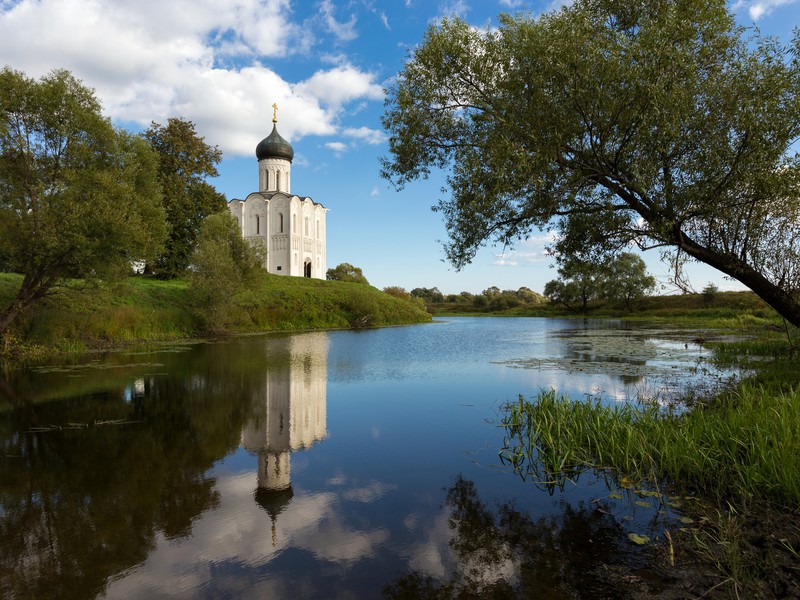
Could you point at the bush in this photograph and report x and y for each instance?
(223, 265)
(346, 272)
(710, 294)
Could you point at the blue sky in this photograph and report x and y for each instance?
(326, 63)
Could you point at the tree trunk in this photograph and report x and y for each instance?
(33, 288)
(8, 316)
(778, 298)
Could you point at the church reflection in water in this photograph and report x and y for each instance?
(290, 416)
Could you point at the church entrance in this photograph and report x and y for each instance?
(307, 270)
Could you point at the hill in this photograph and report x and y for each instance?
(140, 309)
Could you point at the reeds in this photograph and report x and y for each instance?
(745, 446)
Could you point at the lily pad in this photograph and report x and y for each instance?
(647, 494)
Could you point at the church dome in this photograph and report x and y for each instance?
(274, 146)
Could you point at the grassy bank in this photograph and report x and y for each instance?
(724, 309)
(743, 448)
(738, 454)
(141, 309)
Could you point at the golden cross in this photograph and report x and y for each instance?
(275, 113)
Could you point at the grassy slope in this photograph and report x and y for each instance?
(144, 309)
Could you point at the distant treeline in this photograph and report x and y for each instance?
(491, 299)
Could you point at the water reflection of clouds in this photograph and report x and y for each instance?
(239, 532)
(433, 554)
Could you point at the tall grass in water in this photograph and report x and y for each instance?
(745, 446)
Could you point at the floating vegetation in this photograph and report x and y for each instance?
(77, 426)
(638, 539)
(619, 351)
(93, 366)
(664, 363)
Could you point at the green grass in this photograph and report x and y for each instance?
(743, 447)
(143, 309)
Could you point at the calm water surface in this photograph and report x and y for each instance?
(319, 465)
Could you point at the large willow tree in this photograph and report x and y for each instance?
(653, 122)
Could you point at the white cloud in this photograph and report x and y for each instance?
(530, 251)
(337, 147)
(760, 8)
(367, 135)
(334, 59)
(375, 193)
(556, 4)
(340, 85)
(343, 31)
(200, 60)
(454, 8)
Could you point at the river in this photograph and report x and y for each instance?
(346, 464)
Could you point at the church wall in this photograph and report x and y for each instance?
(253, 221)
(291, 229)
(236, 206)
(274, 174)
(279, 236)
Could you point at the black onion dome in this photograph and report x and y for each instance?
(273, 501)
(274, 146)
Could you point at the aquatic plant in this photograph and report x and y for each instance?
(742, 447)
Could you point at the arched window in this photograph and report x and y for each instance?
(258, 225)
(280, 222)
(277, 180)
(306, 227)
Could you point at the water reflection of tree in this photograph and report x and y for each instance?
(81, 504)
(581, 553)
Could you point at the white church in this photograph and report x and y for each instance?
(290, 228)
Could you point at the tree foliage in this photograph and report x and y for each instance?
(628, 279)
(77, 198)
(185, 160)
(622, 278)
(657, 123)
(223, 265)
(346, 272)
(580, 282)
(428, 294)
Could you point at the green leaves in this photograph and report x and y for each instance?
(223, 265)
(346, 272)
(184, 161)
(77, 197)
(657, 124)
